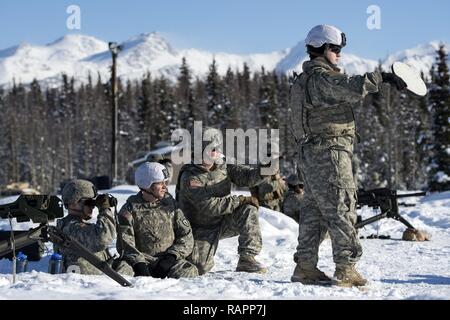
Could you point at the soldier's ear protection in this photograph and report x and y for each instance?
(94, 188)
(165, 173)
(344, 40)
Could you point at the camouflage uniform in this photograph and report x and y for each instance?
(152, 229)
(95, 237)
(322, 100)
(270, 193)
(216, 214)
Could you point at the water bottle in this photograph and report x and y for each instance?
(21, 262)
(55, 264)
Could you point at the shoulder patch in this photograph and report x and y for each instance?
(125, 214)
(185, 222)
(194, 183)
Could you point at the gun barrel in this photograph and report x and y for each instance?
(417, 194)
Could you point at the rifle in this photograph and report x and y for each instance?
(386, 200)
(42, 209)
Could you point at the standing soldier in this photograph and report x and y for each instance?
(204, 194)
(80, 197)
(322, 99)
(156, 237)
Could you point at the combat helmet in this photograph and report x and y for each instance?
(78, 189)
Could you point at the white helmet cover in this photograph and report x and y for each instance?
(150, 172)
(322, 34)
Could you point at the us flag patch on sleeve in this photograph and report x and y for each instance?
(193, 183)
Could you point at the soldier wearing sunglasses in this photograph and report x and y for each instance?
(321, 101)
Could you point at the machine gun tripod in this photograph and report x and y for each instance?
(386, 200)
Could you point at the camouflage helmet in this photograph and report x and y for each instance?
(293, 180)
(78, 189)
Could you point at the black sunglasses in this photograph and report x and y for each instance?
(335, 49)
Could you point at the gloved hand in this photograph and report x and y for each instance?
(141, 270)
(105, 201)
(248, 200)
(394, 79)
(162, 267)
(276, 176)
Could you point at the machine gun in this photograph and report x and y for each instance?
(386, 200)
(42, 209)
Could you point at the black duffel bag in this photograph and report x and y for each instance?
(34, 251)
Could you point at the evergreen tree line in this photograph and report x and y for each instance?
(49, 135)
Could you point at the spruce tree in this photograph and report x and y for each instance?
(439, 95)
(184, 95)
(214, 93)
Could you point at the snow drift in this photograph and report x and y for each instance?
(395, 269)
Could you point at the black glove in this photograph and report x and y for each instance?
(253, 201)
(394, 79)
(105, 201)
(163, 266)
(141, 270)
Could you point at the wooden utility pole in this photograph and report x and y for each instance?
(115, 49)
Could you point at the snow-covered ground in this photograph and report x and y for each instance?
(396, 269)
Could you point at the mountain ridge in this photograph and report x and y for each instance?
(79, 55)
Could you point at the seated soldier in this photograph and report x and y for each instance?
(155, 236)
(80, 197)
(270, 193)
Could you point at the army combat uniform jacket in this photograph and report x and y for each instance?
(322, 99)
(149, 230)
(96, 237)
(205, 197)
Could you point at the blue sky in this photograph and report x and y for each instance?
(238, 26)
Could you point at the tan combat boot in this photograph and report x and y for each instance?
(347, 276)
(248, 263)
(310, 275)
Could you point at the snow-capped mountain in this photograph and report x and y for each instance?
(81, 55)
